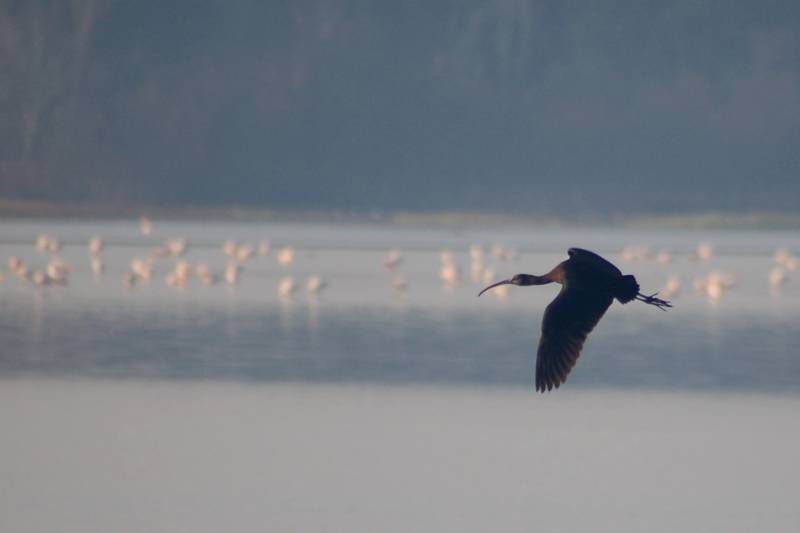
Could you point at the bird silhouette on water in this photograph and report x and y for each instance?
(589, 284)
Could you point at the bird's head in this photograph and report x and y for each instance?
(520, 280)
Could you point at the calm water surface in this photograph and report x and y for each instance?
(359, 329)
(229, 408)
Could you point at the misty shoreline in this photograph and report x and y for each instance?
(756, 220)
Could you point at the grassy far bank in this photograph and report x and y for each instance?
(13, 209)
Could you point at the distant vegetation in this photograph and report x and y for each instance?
(28, 209)
(522, 107)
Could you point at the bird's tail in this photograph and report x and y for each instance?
(626, 289)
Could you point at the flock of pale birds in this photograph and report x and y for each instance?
(449, 271)
(713, 285)
(481, 270)
(55, 272)
(717, 282)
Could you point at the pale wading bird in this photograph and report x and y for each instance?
(704, 251)
(285, 255)
(672, 286)
(97, 265)
(715, 284)
(589, 284)
(245, 252)
(46, 243)
(315, 284)
(229, 248)
(286, 287)
(145, 225)
(95, 245)
(777, 277)
(231, 274)
(204, 274)
(393, 259)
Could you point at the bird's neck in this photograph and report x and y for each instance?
(531, 279)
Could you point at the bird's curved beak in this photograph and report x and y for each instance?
(493, 285)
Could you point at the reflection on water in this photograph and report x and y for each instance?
(321, 342)
(361, 329)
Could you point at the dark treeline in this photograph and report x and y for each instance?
(349, 104)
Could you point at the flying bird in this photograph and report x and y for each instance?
(589, 284)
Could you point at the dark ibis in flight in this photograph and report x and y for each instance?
(589, 284)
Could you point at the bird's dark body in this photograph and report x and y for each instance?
(588, 271)
(589, 284)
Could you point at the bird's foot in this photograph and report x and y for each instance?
(652, 300)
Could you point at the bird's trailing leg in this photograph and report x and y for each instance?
(652, 300)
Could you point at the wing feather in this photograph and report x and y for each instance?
(585, 257)
(566, 323)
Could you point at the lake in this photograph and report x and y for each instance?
(372, 407)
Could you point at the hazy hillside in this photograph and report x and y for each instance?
(520, 105)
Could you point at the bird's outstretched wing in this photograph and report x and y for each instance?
(566, 323)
